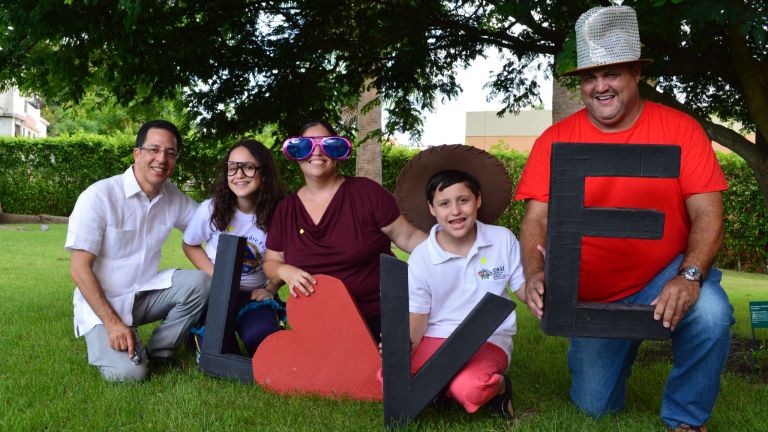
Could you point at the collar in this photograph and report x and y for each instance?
(131, 185)
(439, 255)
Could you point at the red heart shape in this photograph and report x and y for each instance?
(329, 350)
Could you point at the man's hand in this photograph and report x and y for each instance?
(533, 235)
(121, 337)
(704, 239)
(677, 296)
(534, 293)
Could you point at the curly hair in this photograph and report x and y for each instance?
(269, 193)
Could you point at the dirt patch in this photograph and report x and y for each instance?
(13, 228)
(10, 218)
(747, 358)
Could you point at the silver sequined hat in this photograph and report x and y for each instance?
(606, 36)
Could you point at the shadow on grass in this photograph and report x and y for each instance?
(747, 358)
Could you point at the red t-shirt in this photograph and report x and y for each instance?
(345, 244)
(613, 268)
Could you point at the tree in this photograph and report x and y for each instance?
(242, 64)
(368, 128)
(99, 113)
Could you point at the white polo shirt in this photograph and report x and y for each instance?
(448, 286)
(114, 220)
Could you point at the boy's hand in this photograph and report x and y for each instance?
(534, 293)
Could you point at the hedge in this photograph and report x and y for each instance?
(45, 176)
(745, 245)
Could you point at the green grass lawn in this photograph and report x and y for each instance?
(46, 383)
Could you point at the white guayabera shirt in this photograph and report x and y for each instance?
(114, 220)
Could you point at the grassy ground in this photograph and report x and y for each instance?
(46, 384)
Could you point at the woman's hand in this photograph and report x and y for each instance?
(296, 279)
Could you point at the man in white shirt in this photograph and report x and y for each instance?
(116, 232)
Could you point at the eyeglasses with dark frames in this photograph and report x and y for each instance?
(249, 169)
(155, 151)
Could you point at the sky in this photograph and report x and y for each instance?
(447, 124)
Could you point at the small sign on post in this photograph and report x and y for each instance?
(758, 314)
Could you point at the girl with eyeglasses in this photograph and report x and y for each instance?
(334, 224)
(244, 198)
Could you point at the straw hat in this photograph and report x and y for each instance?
(606, 36)
(411, 187)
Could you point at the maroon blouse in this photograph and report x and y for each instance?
(346, 243)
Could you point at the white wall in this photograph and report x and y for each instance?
(16, 109)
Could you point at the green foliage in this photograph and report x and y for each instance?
(100, 113)
(514, 162)
(47, 385)
(240, 65)
(393, 159)
(45, 176)
(745, 246)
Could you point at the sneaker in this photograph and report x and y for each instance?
(501, 405)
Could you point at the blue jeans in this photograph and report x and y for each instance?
(700, 344)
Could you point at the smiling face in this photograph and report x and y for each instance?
(318, 165)
(455, 209)
(239, 183)
(152, 170)
(611, 96)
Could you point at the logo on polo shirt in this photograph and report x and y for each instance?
(496, 273)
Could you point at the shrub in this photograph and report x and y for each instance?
(745, 245)
(45, 176)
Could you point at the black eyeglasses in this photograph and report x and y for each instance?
(155, 151)
(249, 168)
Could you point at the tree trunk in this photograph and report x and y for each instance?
(564, 102)
(368, 130)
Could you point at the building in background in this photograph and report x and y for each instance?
(484, 129)
(20, 115)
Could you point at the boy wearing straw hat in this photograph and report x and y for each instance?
(674, 273)
(463, 258)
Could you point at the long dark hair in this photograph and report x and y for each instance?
(323, 123)
(269, 193)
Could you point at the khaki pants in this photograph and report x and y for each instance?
(179, 306)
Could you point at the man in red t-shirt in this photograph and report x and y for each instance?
(673, 273)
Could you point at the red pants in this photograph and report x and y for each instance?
(477, 382)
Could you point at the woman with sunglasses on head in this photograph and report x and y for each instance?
(334, 224)
(243, 201)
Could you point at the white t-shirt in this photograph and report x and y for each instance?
(448, 286)
(114, 220)
(200, 230)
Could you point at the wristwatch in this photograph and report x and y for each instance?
(691, 273)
